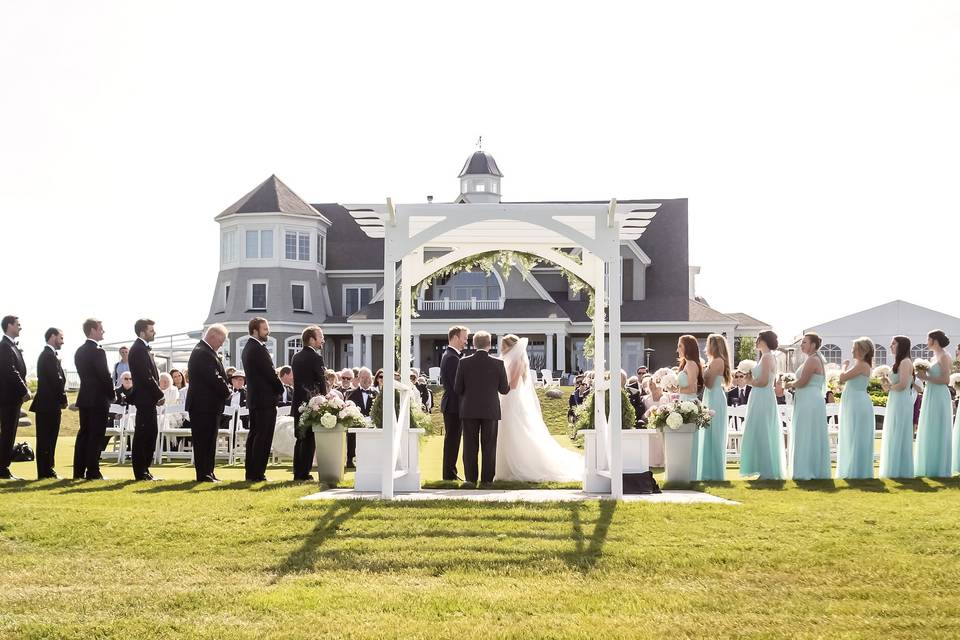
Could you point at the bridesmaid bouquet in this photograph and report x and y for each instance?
(882, 372)
(788, 380)
(746, 366)
(921, 365)
(832, 374)
(955, 381)
(674, 414)
(666, 379)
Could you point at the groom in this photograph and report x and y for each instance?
(479, 379)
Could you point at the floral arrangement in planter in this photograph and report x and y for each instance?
(676, 413)
(329, 412)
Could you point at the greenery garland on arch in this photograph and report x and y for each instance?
(505, 259)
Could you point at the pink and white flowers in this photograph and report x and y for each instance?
(329, 411)
(672, 415)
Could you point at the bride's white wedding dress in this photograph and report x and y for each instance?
(525, 449)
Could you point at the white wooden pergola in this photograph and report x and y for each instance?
(541, 229)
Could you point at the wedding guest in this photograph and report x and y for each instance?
(285, 374)
(896, 445)
(263, 389)
(176, 377)
(421, 387)
(809, 453)
(333, 383)
(378, 380)
(93, 402)
(779, 391)
(171, 395)
(206, 401)
(125, 390)
(122, 366)
(50, 400)
(362, 396)
(457, 337)
(346, 381)
(855, 441)
(310, 378)
(147, 396)
(238, 397)
(739, 393)
(576, 398)
(933, 431)
(13, 391)
(711, 448)
(761, 449)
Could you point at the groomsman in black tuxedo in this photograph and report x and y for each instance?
(209, 392)
(309, 379)
(94, 399)
(147, 396)
(450, 404)
(479, 379)
(50, 400)
(13, 391)
(263, 390)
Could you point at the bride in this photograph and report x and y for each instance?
(525, 449)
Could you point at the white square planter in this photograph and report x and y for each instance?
(634, 451)
(370, 451)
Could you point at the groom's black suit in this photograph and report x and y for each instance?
(479, 379)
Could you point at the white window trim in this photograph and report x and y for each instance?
(230, 244)
(242, 342)
(250, 284)
(290, 343)
(359, 285)
(307, 302)
(298, 231)
(259, 231)
(225, 301)
(322, 250)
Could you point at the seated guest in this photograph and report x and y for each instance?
(740, 391)
(286, 377)
(362, 396)
(579, 394)
(421, 387)
(171, 395)
(238, 397)
(346, 382)
(378, 380)
(779, 391)
(125, 389)
(178, 380)
(333, 383)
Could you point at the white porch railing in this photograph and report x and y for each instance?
(446, 304)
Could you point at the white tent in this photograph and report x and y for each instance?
(541, 229)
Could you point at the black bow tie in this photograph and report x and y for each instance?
(149, 348)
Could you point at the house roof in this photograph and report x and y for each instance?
(480, 162)
(896, 316)
(271, 196)
(700, 312)
(512, 308)
(348, 247)
(747, 320)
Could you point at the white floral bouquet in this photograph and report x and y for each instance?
(746, 366)
(955, 381)
(673, 414)
(329, 411)
(882, 372)
(667, 379)
(788, 380)
(921, 365)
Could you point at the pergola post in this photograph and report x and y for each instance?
(616, 410)
(599, 327)
(389, 333)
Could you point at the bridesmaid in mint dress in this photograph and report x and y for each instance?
(761, 448)
(809, 453)
(933, 431)
(712, 441)
(855, 442)
(896, 447)
(690, 382)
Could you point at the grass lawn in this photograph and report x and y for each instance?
(172, 559)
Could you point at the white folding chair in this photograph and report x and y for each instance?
(833, 427)
(224, 444)
(173, 443)
(548, 379)
(434, 375)
(114, 448)
(238, 449)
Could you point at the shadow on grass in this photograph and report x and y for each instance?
(916, 484)
(23, 486)
(767, 485)
(872, 485)
(587, 551)
(305, 556)
(824, 486)
(97, 486)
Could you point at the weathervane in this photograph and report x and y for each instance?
(480, 143)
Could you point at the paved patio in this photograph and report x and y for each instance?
(522, 495)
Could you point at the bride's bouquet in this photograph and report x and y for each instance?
(329, 411)
(746, 366)
(673, 415)
(921, 365)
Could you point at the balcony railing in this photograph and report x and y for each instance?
(447, 304)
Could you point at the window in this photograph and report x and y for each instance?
(258, 296)
(920, 351)
(297, 246)
(298, 292)
(322, 250)
(293, 345)
(241, 343)
(831, 353)
(226, 295)
(260, 244)
(879, 355)
(468, 284)
(228, 246)
(480, 187)
(355, 297)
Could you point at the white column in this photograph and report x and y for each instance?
(416, 350)
(355, 343)
(389, 416)
(548, 351)
(616, 458)
(599, 326)
(368, 350)
(561, 360)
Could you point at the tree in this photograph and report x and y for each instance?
(746, 349)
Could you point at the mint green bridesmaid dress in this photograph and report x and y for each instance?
(855, 443)
(896, 447)
(933, 431)
(712, 441)
(809, 455)
(682, 381)
(955, 467)
(761, 448)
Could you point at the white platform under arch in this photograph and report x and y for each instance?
(541, 229)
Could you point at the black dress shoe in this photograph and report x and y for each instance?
(260, 479)
(306, 478)
(99, 476)
(8, 476)
(207, 478)
(49, 476)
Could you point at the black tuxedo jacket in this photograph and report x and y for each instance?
(209, 389)
(308, 378)
(356, 396)
(51, 383)
(13, 373)
(96, 384)
(263, 383)
(450, 403)
(479, 379)
(734, 393)
(146, 378)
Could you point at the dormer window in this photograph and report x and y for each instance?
(480, 187)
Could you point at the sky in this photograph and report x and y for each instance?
(818, 142)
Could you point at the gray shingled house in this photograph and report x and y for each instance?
(298, 264)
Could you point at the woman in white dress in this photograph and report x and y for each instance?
(525, 449)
